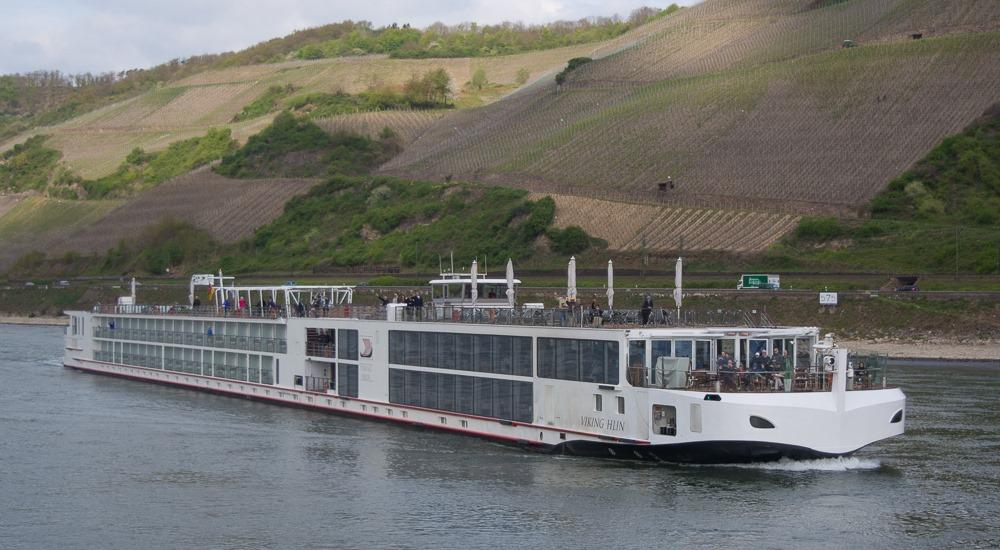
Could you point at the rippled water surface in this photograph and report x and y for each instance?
(89, 461)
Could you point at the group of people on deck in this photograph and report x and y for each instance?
(775, 370)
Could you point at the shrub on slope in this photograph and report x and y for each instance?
(355, 221)
(142, 169)
(292, 147)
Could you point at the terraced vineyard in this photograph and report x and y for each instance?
(409, 125)
(633, 227)
(743, 103)
(33, 221)
(228, 209)
(94, 144)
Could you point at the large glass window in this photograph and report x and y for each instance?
(348, 348)
(446, 351)
(466, 352)
(347, 380)
(567, 359)
(703, 355)
(494, 398)
(659, 348)
(522, 356)
(510, 355)
(502, 354)
(428, 349)
(579, 360)
(484, 353)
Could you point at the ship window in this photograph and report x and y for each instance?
(412, 349)
(429, 390)
(347, 379)
(446, 351)
(446, 392)
(428, 349)
(348, 345)
(546, 358)
(522, 356)
(502, 354)
(567, 359)
(758, 422)
(298, 379)
(465, 360)
(465, 394)
(396, 388)
(484, 353)
(621, 404)
(578, 360)
(397, 345)
(660, 348)
(484, 396)
(598, 402)
(494, 398)
(503, 399)
(412, 388)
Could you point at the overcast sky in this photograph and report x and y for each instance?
(111, 35)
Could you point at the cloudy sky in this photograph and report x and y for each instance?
(112, 35)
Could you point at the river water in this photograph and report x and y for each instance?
(89, 461)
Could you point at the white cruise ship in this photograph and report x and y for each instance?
(621, 384)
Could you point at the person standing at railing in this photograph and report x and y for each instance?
(789, 365)
(647, 308)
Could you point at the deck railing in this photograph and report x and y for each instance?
(565, 317)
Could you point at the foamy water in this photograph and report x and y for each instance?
(838, 464)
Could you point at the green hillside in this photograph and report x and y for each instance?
(366, 221)
(942, 215)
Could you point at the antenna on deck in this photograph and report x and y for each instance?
(452, 261)
(440, 267)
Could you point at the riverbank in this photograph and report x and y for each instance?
(929, 349)
(61, 320)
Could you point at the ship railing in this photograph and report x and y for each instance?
(867, 372)
(200, 311)
(317, 383)
(801, 379)
(239, 342)
(563, 317)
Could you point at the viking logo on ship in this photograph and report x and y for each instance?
(366, 347)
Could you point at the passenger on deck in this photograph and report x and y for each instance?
(197, 302)
(595, 314)
(647, 308)
(728, 373)
(789, 367)
(756, 365)
(722, 360)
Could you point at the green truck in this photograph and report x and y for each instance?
(766, 282)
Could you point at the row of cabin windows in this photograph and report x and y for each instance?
(474, 395)
(469, 352)
(579, 360)
(189, 326)
(245, 367)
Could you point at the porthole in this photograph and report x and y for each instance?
(897, 418)
(762, 423)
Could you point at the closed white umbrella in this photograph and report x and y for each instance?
(571, 280)
(475, 284)
(510, 282)
(611, 285)
(678, 277)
